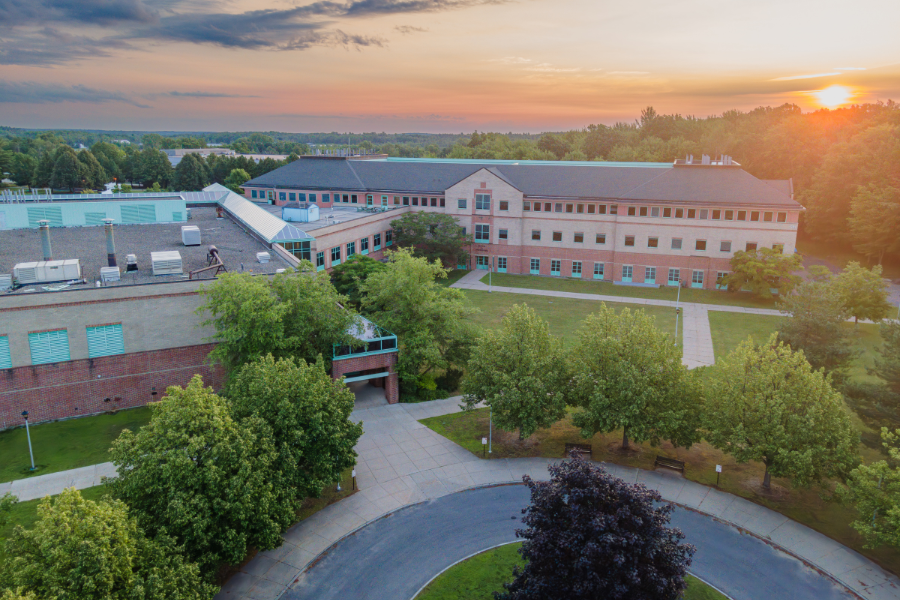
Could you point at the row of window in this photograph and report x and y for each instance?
(53, 346)
(337, 255)
(657, 211)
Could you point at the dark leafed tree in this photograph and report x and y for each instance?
(590, 535)
(433, 235)
(68, 173)
(190, 174)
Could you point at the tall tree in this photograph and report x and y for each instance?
(95, 176)
(429, 320)
(197, 474)
(816, 327)
(763, 271)
(68, 173)
(875, 220)
(627, 374)
(590, 535)
(352, 273)
(887, 363)
(435, 236)
(190, 174)
(874, 490)
(95, 550)
(153, 166)
(236, 178)
(765, 403)
(309, 417)
(111, 158)
(520, 372)
(863, 292)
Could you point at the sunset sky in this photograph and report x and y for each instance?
(431, 65)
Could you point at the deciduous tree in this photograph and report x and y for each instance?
(236, 178)
(308, 414)
(590, 535)
(765, 403)
(352, 273)
(190, 174)
(887, 361)
(764, 270)
(68, 173)
(874, 490)
(520, 372)
(95, 550)
(863, 292)
(875, 220)
(627, 374)
(198, 475)
(435, 236)
(7, 501)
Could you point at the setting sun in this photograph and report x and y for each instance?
(833, 96)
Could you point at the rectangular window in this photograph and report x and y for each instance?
(415, 201)
(105, 340)
(537, 207)
(674, 276)
(576, 268)
(644, 211)
(253, 193)
(692, 213)
(482, 202)
(481, 262)
(335, 256)
(579, 237)
(320, 261)
(720, 280)
(667, 213)
(601, 209)
(679, 213)
(751, 246)
(536, 234)
(782, 217)
(676, 243)
(700, 245)
(580, 209)
(716, 214)
(501, 264)
(301, 197)
(535, 266)
(464, 230)
(49, 346)
(526, 206)
(729, 215)
(653, 242)
(461, 203)
(558, 207)
(591, 208)
(724, 246)
(704, 214)
(351, 249)
(629, 240)
(767, 217)
(364, 245)
(292, 196)
(5, 356)
(547, 206)
(632, 211)
(742, 215)
(503, 234)
(555, 267)
(697, 279)
(377, 241)
(627, 271)
(353, 199)
(504, 205)
(443, 202)
(405, 200)
(282, 196)
(312, 197)
(754, 215)
(654, 211)
(649, 274)
(482, 233)
(557, 236)
(570, 208)
(326, 198)
(601, 238)
(389, 237)
(396, 200)
(384, 200)
(598, 270)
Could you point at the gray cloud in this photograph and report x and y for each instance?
(97, 12)
(50, 47)
(407, 29)
(32, 92)
(206, 95)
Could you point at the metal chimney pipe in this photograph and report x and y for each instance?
(45, 239)
(110, 243)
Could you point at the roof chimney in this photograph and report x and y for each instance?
(110, 242)
(45, 239)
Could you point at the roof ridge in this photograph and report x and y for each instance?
(355, 174)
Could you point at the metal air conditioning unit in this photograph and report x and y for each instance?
(46, 271)
(5, 282)
(263, 257)
(166, 263)
(190, 235)
(108, 274)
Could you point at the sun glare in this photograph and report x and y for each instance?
(833, 96)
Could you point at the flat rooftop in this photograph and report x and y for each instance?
(88, 244)
(327, 216)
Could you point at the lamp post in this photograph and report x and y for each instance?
(490, 272)
(491, 432)
(28, 435)
(677, 310)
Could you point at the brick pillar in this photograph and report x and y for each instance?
(391, 389)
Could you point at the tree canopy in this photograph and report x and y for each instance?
(627, 374)
(590, 535)
(874, 490)
(863, 292)
(520, 372)
(765, 403)
(348, 276)
(762, 271)
(435, 236)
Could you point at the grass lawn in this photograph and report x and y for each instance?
(452, 277)
(607, 288)
(806, 506)
(563, 314)
(64, 445)
(477, 577)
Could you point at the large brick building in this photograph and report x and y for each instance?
(638, 223)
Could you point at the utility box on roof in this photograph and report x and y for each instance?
(166, 263)
(300, 212)
(190, 235)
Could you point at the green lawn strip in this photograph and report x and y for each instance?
(64, 445)
(807, 506)
(607, 288)
(452, 277)
(563, 314)
(476, 578)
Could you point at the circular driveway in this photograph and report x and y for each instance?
(394, 557)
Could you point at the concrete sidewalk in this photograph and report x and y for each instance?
(54, 483)
(402, 462)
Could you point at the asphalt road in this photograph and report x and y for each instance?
(394, 557)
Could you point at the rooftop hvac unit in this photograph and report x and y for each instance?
(46, 271)
(190, 235)
(131, 263)
(5, 282)
(263, 257)
(166, 263)
(109, 274)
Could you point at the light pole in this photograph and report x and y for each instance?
(491, 432)
(490, 272)
(28, 435)
(677, 310)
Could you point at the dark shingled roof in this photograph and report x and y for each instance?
(706, 185)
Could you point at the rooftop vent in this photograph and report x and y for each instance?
(166, 263)
(190, 235)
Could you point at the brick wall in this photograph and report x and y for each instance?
(88, 386)
(375, 361)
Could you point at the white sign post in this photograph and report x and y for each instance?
(718, 472)
(484, 446)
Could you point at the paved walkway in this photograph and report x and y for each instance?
(54, 483)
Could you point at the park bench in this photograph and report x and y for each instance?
(583, 450)
(669, 463)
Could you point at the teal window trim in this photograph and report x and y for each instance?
(49, 346)
(377, 344)
(320, 268)
(363, 252)
(335, 263)
(377, 248)
(105, 340)
(5, 356)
